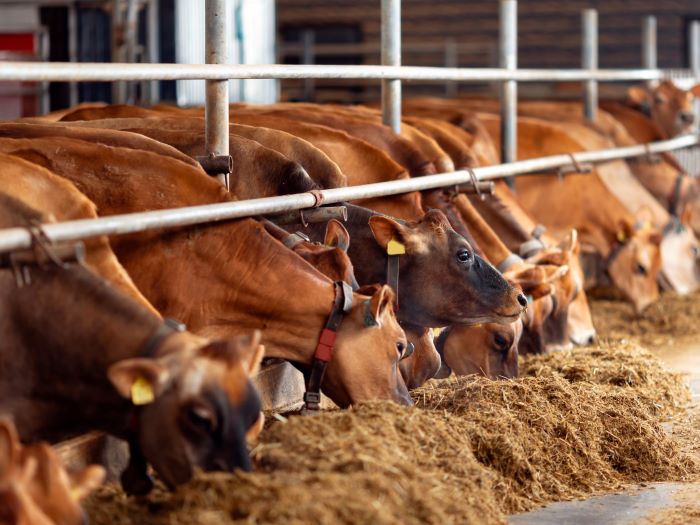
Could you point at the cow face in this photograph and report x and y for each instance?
(424, 362)
(634, 269)
(471, 290)
(569, 284)
(202, 405)
(35, 489)
(668, 106)
(368, 348)
(679, 257)
(490, 350)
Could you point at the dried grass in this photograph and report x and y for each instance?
(672, 317)
(470, 451)
(618, 364)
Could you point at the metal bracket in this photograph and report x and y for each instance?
(44, 255)
(309, 216)
(214, 165)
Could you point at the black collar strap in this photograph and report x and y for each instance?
(674, 200)
(291, 240)
(342, 304)
(165, 330)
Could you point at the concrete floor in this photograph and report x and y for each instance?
(631, 506)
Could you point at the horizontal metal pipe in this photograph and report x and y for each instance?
(324, 214)
(17, 238)
(94, 72)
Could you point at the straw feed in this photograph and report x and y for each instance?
(620, 364)
(470, 451)
(672, 317)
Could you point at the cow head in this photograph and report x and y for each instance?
(196, 403)
(490, 350)
(424, 362)
(680, 251)
(566, 288)
(470, 291)
(368, 348)
(635, 261)
(35, 489)
(670, 107)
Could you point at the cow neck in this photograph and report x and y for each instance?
(81, 325)
(228, 279)
(494, 249)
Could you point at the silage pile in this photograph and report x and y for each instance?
(671, 317)
(470, 451)
(618, 364)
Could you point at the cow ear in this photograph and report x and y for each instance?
(140, 379)
(637, 95)
(695, 90)
(625, 231)
(337, 236)
(569, 243)
(540, 291)
(386, 229)
(87, 480)
(9, 443)
(251, 352)
(382, 299)
(245, 349)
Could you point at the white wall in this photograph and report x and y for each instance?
(253, 22)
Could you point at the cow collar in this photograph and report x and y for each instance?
(676, 196)
(342, 303)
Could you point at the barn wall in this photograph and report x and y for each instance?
(549, 30)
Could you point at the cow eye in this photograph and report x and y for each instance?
(501, 342)
(405, 351)
(201, 419)
(641, 269)
(694, 250)
(464, 256)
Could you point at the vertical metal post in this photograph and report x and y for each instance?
(451, 60)
(589, 60)
(649, 43)
(152, 14)
(73, 50)
(508, 59)
(308, 40)
(216, 107)
(391, 56)
(694, 48)
(131, 23)
(119, 87)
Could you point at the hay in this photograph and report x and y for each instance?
(672, 317)
(470, 451)
(378, 463)
(621, 364)
(551, 439)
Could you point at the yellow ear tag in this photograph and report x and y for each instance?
(436, 331)
(621, 236)
(395, 248)
(141, 392)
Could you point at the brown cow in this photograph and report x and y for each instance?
(206, 275)
(669, 107)
(35, 489)
(629, 255)
(178, 375)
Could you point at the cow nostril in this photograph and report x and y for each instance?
(522, 300)
(687, 118)
(591, 340)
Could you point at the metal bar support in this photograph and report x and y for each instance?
(589, 60)
(649, 42)
(108, 72)
(216, 106)
(694, 47)
(73, 50)
(308, 39)
(391, 56)
(12, 239)
(153, 23)
(508, 49)
(451, 60)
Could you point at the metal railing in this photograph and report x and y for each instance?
(390, 73)
(18, 238)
